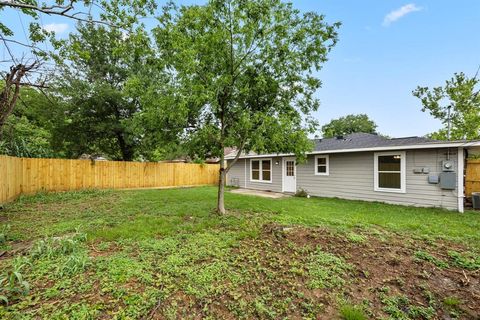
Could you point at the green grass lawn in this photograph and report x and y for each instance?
(165, 254)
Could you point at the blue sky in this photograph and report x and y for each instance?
(376, 65)
(386, 48)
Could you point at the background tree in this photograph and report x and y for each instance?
(241, 73)
(351, 123)
(99, 62)
(462, 95)
(28, 130)
(30, 65)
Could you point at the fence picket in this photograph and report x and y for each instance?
(27, 176)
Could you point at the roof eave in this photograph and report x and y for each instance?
(372, 149)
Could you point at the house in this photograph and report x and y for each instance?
(410, 171)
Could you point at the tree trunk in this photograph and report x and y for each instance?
(125, 149)
(221, 186)
(11, 90)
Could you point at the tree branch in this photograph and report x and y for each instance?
(237, 156)
(53, 10)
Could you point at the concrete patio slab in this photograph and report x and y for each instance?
(260, 193)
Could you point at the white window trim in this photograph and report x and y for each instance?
(327, 164)
(403, 171)
(261, 171)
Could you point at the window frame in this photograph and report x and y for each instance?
(260, 167)
(403, 172)
(327, 165)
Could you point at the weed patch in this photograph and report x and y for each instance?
(352, 312)
(12, 283)
(326, 270)
(356, 238)
(165, 254)
(468, 261)
(425, 256)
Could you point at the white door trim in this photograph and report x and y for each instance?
(284, 159)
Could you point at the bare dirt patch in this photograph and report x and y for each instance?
(385, 278)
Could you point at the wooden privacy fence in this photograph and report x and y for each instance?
(26, 176)
(472, 177)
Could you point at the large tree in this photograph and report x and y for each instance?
(243, 75)
(100, 64)
(457, 102)
(29, 58)
(349, 124)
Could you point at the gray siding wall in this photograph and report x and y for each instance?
(238, 172)
(351, 177)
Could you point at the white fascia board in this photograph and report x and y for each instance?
(392, 148)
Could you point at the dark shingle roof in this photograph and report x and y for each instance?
(366, 140)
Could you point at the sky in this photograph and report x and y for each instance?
(386, 49)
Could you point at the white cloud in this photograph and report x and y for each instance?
(56, 27)
(399, 13)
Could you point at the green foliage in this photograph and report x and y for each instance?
(4, 230)
(121, 14)
(246, 80)
(12, 283)
(452, 302)
(302, 193)
(352, 312)
(463, 95)
(241, 75)
(135, 262)
(474, 156)
(68, 253)
(467, 260)
(356, 238)
(425, 256)
(53, 247)
(326, 270)
(91, 107)
(28, 131)
(351, 123)
(98, 111)
(400, 307)
(36, 34)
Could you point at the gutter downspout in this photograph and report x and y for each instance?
(460, 179)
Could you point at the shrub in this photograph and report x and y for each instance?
(302, 193)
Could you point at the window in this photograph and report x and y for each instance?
(322, 165)
(261, 170)
(290, 168)
(390, 174)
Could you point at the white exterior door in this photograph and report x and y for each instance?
(289, 175)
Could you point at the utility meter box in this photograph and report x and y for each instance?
(433, 179)
(447, 165)
(448, 180)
